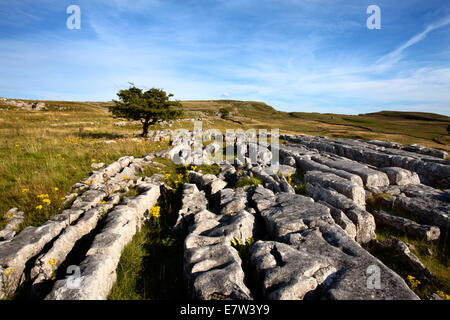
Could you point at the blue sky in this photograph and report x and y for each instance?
(296, 55)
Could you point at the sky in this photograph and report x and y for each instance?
(295, 55)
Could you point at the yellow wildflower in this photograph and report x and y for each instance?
(102, 202)
(93, 160)
(46, 201)
(42, 196)
(413, 282)
(443, 295)
(52, 261)
(56, 188)
(39, 207)
(155, 211)
(25, 190)
(8, 272)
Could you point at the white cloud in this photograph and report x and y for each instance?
(395, 56)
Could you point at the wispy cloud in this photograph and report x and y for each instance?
(290, 54)
(396, 55)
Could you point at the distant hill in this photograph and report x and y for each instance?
(428, 129)
(425, 116)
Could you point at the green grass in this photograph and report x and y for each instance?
(248, 181)
(151, 264)
(438, 262)
(209, 169)
(41, 151)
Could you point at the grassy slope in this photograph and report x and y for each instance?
(402, 127)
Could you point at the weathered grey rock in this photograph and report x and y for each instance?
(214, 273)
(89, 199)
(341, 220)
(233, 200)
(400, 176)
(268, 181)
(98, 269)
(408, 226)
(227, 173)
(97, 165)
(285, 186)
(355, 268)
(69, 198)
(263, 198)
(286, 170)
(363, 221)
(365, 224)
(15, 253)
(435, 213)
(431, 170)
(207, 182)
(309, 165)
(370, 177)
(215, 186)
(330, 196)
(42, 269)
(341, 185)
(423, 191)
(416, 265)
(193, 201)
(291, 213)
(15, 219)
(285, 273)
(289, 161)
(429, 151)
(222, 229)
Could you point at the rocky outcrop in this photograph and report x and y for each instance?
(408, 226)
(212, 266)
(312, 257)
(329, 180)
(363, 220)
(400, 177)
(309, 245)
(14, 218)
(98, 269)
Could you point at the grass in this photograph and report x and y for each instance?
(247, 181)
(45, 153)
(438, 262)
(150, 266)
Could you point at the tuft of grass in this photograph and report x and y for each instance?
(248, 181)
(209, 169)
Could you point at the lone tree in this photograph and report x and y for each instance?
(225, 113)
(148, 107)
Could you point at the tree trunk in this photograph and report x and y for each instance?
(145, 128)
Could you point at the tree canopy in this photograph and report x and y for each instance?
(148, 107)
